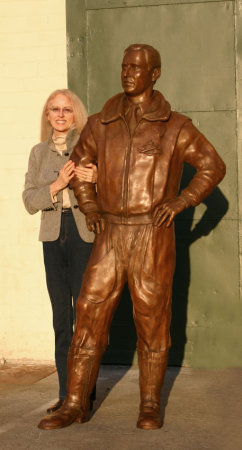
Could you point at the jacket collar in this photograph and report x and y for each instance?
(71, 139)
(159, 108)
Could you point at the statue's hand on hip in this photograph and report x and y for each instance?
(95, 222)
(167, 211)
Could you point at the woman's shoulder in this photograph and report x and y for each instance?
(40, 148)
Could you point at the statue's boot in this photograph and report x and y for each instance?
(83, 367)
(152, 367)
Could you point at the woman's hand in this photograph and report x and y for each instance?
(65, 175)
(87, 173)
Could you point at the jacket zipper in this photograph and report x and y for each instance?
(126, 171)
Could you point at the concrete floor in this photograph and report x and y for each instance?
(202, 409)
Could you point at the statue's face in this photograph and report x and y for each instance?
(136, 76)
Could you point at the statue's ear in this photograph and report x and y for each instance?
(156, 74)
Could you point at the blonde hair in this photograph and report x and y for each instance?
(79, 111)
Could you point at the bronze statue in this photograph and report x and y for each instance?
(139, 146)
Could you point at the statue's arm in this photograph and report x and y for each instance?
(197, 151)
(85, 152)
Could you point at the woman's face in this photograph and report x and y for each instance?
(60, 114)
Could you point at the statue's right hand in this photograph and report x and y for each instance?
(95, 222)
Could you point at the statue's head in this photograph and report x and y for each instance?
(141, 67)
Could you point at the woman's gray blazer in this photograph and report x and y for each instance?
(44, 165)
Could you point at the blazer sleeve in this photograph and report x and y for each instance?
(35, 197)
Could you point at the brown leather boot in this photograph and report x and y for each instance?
(64, 416)
(149, 416)
(152, 368)
(83, 367)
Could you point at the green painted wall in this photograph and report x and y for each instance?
(200, 45)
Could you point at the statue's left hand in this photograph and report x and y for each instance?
(167, 211)
(95, 222)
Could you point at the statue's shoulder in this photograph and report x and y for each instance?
(178, 117)
(110, 111)
(114, 101)
(178, 120)
(113, 108)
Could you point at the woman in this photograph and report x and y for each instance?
(66, 239)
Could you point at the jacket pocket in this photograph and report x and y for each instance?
(150, 148)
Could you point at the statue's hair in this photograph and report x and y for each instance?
(151, 54)
(79, 111)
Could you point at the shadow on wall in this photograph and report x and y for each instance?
(217, 206)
